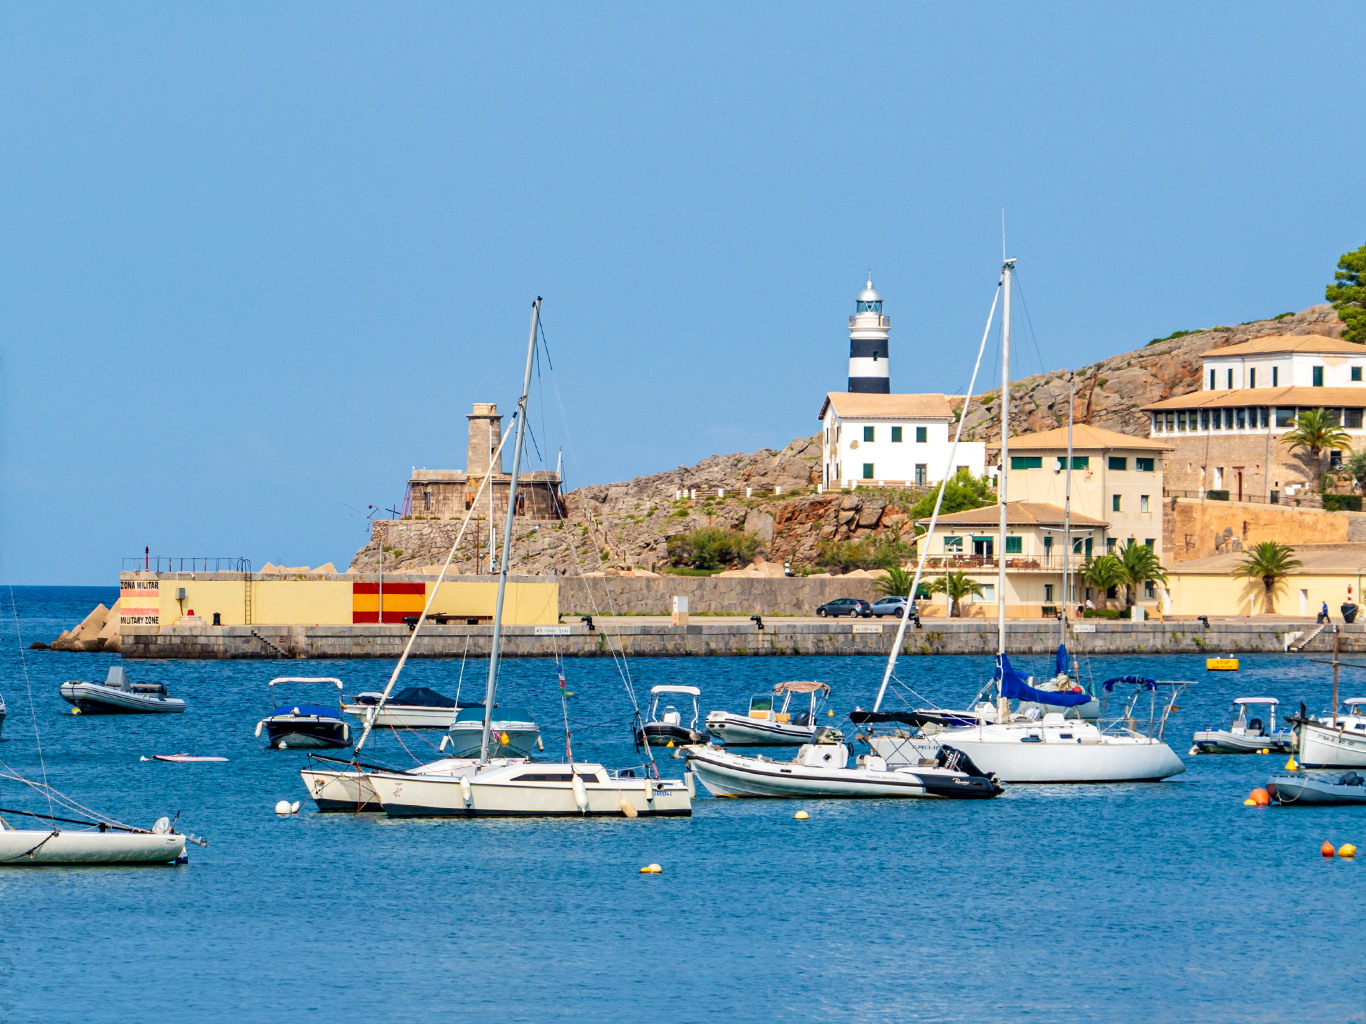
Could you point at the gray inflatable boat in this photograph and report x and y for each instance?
(1303, 789)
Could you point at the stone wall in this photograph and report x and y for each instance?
(1199, 529)
(647, 595)
(1192, 466)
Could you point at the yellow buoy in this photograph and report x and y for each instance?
(801, 815)
(670, 743)
(1249, 803)
(1347, 850)
(830, 714)
(75, 711)
(1290, 765)
(651, 869)
(1264, 750)
(503, 738)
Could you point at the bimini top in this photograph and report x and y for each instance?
(307, 679)
(801, 686)
(1151, 684)
(1352, 702)
(694, 691)
(1258, 700)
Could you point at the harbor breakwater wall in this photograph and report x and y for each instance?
(717, 595)
(839, 637)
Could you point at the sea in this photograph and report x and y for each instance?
(1163, 901)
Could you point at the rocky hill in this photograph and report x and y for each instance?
(1111, 392)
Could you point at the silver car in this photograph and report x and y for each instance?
(889, 606)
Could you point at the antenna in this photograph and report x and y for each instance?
(1003, 234)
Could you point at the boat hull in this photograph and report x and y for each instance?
(740, 731)
(660, 734)
(1222, 741)
(1322, 747)
(1049, 760)
(511, 791)
(27, 847)
(732, 775)
(98, 699)
(1296, 789)
(307, 733)
(404, 716)
(334, 790)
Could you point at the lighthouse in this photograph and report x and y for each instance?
(869, 373)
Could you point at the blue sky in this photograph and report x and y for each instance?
(259, 260)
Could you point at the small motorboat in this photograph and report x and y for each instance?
(119, 695)
(768, 726)
(513, 733)
(1244, 736)
(2, 715)
(821, 770)
(666, 727)
(307, 726)
(1304, 789)
(415, 707)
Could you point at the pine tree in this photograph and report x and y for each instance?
(1348, 295)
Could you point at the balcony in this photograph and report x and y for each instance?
(1014, 563)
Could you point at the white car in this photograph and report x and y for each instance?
(889, 606)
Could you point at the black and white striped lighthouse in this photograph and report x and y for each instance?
(869, 372)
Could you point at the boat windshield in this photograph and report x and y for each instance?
(763, 702)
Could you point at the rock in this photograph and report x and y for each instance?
(760, 524)
(38, 645)
(870, 514)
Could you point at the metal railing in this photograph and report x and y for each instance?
(148, 563)
(1053, 563)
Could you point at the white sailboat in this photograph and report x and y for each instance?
(1017, 747)
(523, 789)
(1337, 740)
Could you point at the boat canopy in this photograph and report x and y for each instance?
(307, 679)
(1109, 684)
(1257, 700)
(422, 697)
(1352, 702)
(1016, 686)
(801, 686)
(694, 691)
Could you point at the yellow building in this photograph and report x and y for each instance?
(1331, 574)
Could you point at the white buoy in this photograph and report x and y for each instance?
(580, 794)
(294, 807)
(143, 758)
(628, 808)
(284, 745)
(282, 808)
(466, 791)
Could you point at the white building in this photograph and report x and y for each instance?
(1285, 361)
(871, 439)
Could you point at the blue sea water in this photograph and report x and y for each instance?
(1167, 901)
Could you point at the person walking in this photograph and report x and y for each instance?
(1323, 615)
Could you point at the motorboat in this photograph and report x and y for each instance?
(574, 789)
(347, 786)
(515, 731)
(1049, 747)
(1246, 736)
(1332, 741)
(414, 707)
(1349, 788)
(306, 726)
(769, 725)
(666, 728)
(119, 695)
(822, 770)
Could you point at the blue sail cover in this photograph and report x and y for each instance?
(1060, 664)
(1144, 681)
(1013, 685)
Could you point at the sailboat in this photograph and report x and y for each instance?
(1014, 746)
(488, 787)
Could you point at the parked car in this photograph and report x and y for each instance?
(895, 605)
(851, 606)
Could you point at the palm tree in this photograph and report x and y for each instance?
(1140, 565)
(1104, 572)
(958, 586)
(1316, 430)
(1270, 561)
(897, 583)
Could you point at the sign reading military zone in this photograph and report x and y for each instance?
(140, 603)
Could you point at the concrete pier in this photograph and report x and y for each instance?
(655, 637)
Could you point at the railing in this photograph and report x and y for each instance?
(1053, 563)
(146, 563)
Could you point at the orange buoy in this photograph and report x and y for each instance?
(1347, 850)
(1260, 797)
(1327, 849)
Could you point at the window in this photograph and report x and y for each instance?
(1078, 462)
(1275, 376)
(1171, 422)
(896, 435)
(1204, 419)
(1157, 423)
(1014, 545)
(1211, 380)
(1143, 465)
(1352, 419)
(867, 433)
(1252, 378)
(989, 592)
(1263, 414)
(868, 468)
(1333, 416)
(1048, 593)
(1335, 459)
(1148, 543)
(1143, 503)
(1111, 592)
(921, 472)
(1242, 418)
(1230, 380)
(1318, 376)
(1110, 543)
(1180, 419)
(1148, 589)
(1356, 373)
(1076, 546)
(1026, 462)
(1114, 503)
(953, 545)
(1285, 417)
(922, 434)
(1121, 463)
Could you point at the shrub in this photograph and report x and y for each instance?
(1103, 613)
(1217, 495)
(875, 553)
(711, 547)
(1342, 502)
(1171, 337)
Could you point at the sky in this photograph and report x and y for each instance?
(257, 261)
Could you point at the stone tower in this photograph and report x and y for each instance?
(869, 372)
(486, 433)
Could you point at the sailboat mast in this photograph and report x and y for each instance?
(1067, 528)
(1005, 455)
(492, 691)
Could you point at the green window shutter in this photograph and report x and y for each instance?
(868, 469)
(1114, 503)
(896, 435)
(867, 433)
(1143, 465)
(1117, 462)
(1026, 462)
(1318, 376)
(922, 435)
(1081, 462)
(1014, 545)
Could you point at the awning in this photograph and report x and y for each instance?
(801, 686)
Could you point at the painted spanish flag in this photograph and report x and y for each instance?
(400, 601)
